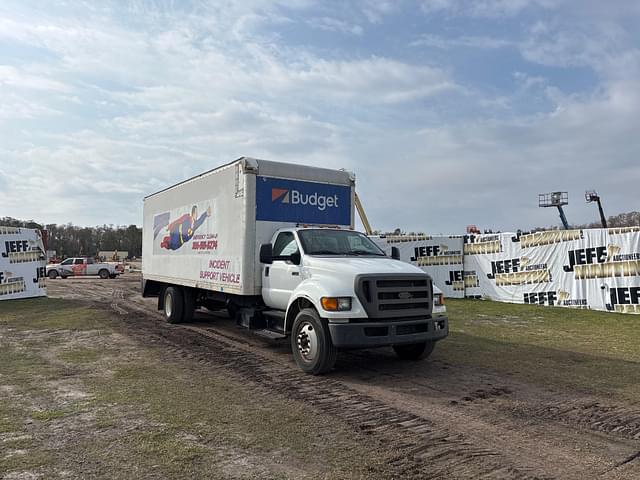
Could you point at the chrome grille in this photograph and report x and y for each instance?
(395, 296)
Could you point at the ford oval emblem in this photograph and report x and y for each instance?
(404, 295)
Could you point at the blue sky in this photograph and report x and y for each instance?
(450, 112)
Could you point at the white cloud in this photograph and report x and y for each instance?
(428, 40)
(481, 8)
(119, 101)
(335, 25)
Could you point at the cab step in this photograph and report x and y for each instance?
(270, 334)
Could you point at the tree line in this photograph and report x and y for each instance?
(70, 240)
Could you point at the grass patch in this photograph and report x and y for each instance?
(22, 462)
(579, 349)
(48, 415)
(52, 314)
(80, 355)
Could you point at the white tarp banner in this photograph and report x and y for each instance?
(440, 257)
(22, 263)
(593, 268)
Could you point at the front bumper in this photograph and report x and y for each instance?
(384, 333)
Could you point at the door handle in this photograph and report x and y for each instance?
(295, 274)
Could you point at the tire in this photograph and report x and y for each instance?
(63, 276)
(189, 304)
(232, 310)
(52, 274)
(173, 304)
(414, 351)
(311, 343)
(104, 274)
(113, 275)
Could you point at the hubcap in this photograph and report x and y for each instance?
(307, 341)
(168, 304)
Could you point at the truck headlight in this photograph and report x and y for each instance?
(336, 304)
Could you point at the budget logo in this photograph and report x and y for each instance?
(281, 194)
(295, 197)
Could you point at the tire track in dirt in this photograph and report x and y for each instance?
(425, 450)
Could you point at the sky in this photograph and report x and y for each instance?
(450, 112)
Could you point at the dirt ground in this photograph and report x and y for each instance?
(451, 416)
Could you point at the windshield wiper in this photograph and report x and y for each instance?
(325, 252)
(364, 252)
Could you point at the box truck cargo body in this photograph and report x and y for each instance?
(274, 244)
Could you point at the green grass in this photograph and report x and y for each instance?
(143, 412)
(52, 314)
(80, 355)
(48, 415)
(581, 349)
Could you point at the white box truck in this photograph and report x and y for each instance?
(274, 244)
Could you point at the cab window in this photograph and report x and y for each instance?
(285, 245)
(68, 261)
(78, 261)
(89, 261)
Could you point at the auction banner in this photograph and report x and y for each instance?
(591, 269)
(22, 263)
(440, 257)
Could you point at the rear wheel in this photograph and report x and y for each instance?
(52, 274)
(104, 274)
(311, 343)
(173, 304)
(232, 310)
(189, 304)
(414, 351)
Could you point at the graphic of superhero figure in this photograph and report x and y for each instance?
(182, 229)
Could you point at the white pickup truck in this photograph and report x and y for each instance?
(274, 244)
(82, 266)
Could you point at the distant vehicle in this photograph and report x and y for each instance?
(82, 266)
(274, 244)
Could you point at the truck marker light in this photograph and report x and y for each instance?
(336, 304)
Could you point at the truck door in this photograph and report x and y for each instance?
(92, 267)
(281, 278)
(66, 267)
(79, 267)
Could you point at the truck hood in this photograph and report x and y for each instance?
(357, 265)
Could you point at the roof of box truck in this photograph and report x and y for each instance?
(277, 169)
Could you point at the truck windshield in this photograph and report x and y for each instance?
(337, 242)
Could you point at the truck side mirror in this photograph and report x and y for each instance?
(395, 253)
(296, 258)
(266, 253)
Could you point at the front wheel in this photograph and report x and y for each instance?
(52, 274)
(414, 351)
(104, 274)
(311, 343)
(173, 304)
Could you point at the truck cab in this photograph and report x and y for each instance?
(336, 289)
